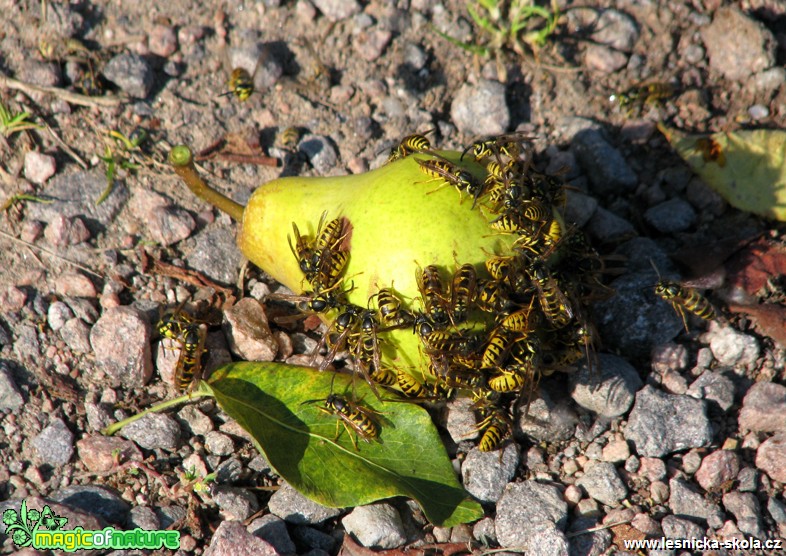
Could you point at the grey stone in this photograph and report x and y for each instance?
(771, 457)
(238, 503)
(748, 480)
(273, 530)
(616, 29)
(547, 419)
(293, 507)
(144, 518)
(55, 444)
(168, 515)
(460, 422)
(715, 387)
(218, 443)
(480, 109)
(604, 165)
(604, 59)
(485, 474)
(215, 254)
(129, 362)
(678, 528)
(483, 532)
(608, 389)
(592, 541)
(321, 154)
(548, 540)
(764, 408)
(10, 398)
(607, 227)
(635, 320)
(57, 315)
(83, 308)
(96, 500)
(155, 430)
(738, 45)
(194, 420)
(660, 423)
(674, 215)
(76, 196)
(777, 510)
(731, 347)
(747, 512)
(376, 526)
(686, 502)
(579, 208)
(526, 507)
(336, 10)
(132, 73)
(249, 334)
(232, 539)
(603, 483)
(717, 468)
(371, 43)
(314, 538)
(76, 335)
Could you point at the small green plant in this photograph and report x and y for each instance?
(123, 156)
(511, 25)
(14, 123)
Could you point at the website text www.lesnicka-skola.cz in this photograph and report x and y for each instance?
(663, 543)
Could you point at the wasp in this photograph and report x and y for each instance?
(174, 326)
(188, 370)
(522, 320)
(432, 294)
(508, 145)
(463, 292)
(354, 417)
(368, 345)
(497, 348)
(453, 175)
(457, 376)
(331, 265)
(500, 266)
(554, 304)
(344, 325)
(289, 138)
(389, 307)
(525, 351)
(495, 427)
(492, 296)
(241, 84)
(646, 93)
(410, 386)
(506, 382)
(416, 143)
(685, 299)
(711, 151)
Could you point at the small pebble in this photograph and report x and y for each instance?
(485, 474)
(293, 507)
(758, 112)
(215, 254)
(678, 528)
(371, 44)
(771, 457)
(718, 468)
(661, 423)
(523, 509)
(76, 334)
(548, 540)
(737, 45)
(747, 512)
(162, 40)
(336, 10)
(62, 231)
(131, 72)
(691, 462)
(219, 444)
(128, 363)
(764, 408)
(611, 393)
(674, 215)
(686, 502)
(321, 154)
(730, 347)
(376, 526)
(234, 502)
(616, 451)
(480, 109)
(617, 30)
(603, 483)
(715, 387)
(232, 538)
(607, 227)
(55, 444)
(39, 167)
(653, 469)
(249, 334)
(155, 430)
(483, 532)
(607, 169)
(101, 453)
(76, 196)
(589, 540)
(144, 518)
(73, 284)
(604, 59)
(99, 501)
(547, 419)
(57, 315)
(579, 208)
(274, 531)
(646, 524)
(10, 398)
(460, 422)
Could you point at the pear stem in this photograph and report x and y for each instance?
(182, 161)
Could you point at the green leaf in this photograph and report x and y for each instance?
(280, 406)
(747, 168)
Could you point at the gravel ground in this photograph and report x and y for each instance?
(684, 436)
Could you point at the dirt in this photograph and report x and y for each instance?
(327, 89)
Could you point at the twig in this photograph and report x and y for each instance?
(67, 149)
(597, 528)
(69, 96)
(50, 253)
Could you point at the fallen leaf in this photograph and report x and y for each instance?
(752, 266)
(769, 319)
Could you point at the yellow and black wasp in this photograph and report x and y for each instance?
(416, 143)
(463, 292)
(356, 418)
(179, 327)
(685, 299)
(636, 97)
(555, 305)
(508, 145)
(433, 295)
(391, 314)
(496, 428)
(452, 174)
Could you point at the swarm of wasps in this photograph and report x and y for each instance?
(535, 297)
